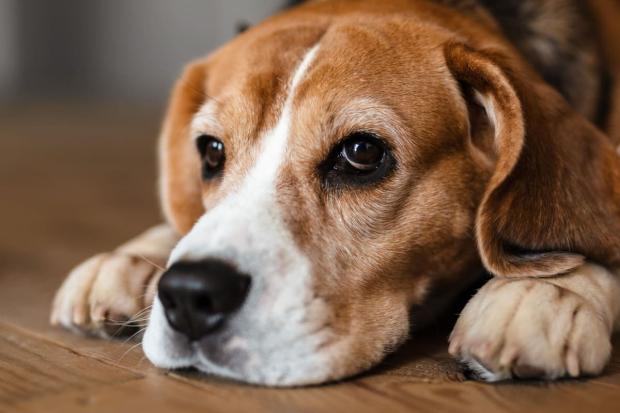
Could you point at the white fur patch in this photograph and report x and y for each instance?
(206, 120)
(244, 215)
(282, 322)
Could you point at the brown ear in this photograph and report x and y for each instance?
(553, 198)
(180, 182)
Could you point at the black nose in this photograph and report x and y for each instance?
(197, 296)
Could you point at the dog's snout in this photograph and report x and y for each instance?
(198, 296)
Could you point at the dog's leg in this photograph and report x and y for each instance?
(114, 290)
(540, 327)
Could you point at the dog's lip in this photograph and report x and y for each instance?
(206, 365)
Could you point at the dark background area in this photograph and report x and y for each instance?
(111, 50)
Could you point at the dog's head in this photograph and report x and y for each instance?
(330, 167)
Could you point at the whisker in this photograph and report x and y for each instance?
(159, 267)
(128, 323)
(131, 337)
(121, 328)
(140, 322)
(142, 360)
(128, 350)
(142, 312)
(141, 315)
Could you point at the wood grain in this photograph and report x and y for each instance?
(31, 368)
(77, 180)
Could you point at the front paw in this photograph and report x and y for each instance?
(531, 329)
(107, 295)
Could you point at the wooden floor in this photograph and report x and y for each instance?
(78, 180)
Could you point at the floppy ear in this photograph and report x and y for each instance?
(553, 197)
(180, 182)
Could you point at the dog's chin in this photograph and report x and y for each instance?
(314, 358)
(288, 370)
(311, 370)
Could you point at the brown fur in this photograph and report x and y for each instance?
(525, 187)
(553, 195)
(549, 199)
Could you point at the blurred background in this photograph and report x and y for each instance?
(111, 50)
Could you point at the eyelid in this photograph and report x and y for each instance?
(371, 116)
(205, 122)
(345, 135)
(196, 136)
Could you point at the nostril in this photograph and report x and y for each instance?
(203, 304)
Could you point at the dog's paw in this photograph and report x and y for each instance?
(107, 295)
(531, 329)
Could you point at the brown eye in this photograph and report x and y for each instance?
(361, 159)
(362, 152)
(212, 153)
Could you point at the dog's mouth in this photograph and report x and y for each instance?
(303, 361)
(293, 366)
(279, 348)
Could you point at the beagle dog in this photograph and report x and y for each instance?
(345, 162)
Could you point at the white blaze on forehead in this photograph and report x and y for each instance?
(255, 199)
(274, 143)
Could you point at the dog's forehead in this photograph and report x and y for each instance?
(249, 79)
(258, 65)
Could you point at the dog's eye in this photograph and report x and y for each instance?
(362, 153)
(360, 159)
(212, 153)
